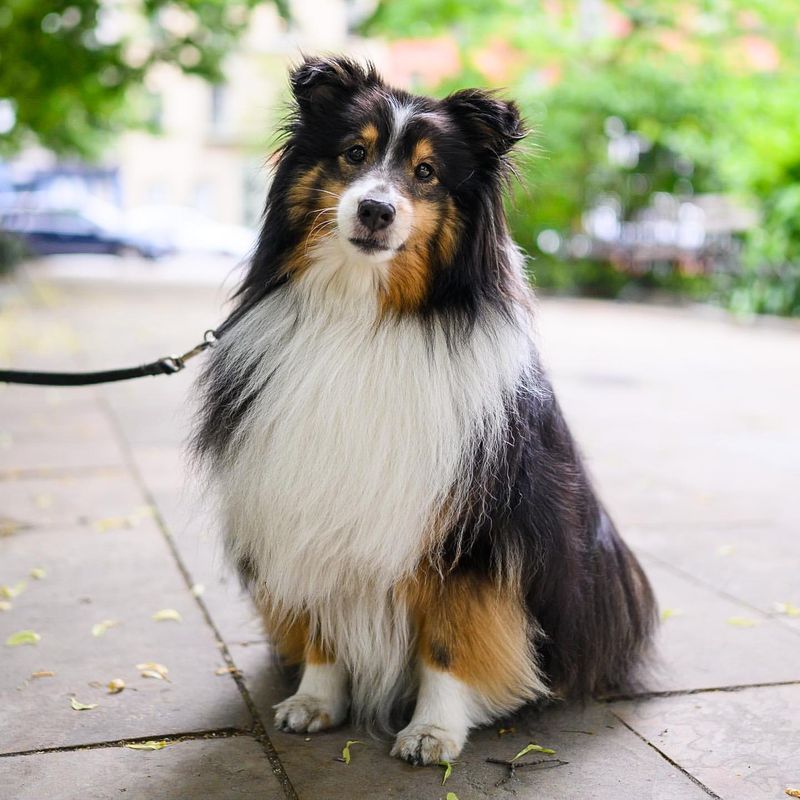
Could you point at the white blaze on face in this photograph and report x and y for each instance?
(375, 186)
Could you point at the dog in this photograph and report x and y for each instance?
(397, 485)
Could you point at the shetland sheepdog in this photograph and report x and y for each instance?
(397, 485)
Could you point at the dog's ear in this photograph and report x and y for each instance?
(493, 125)
(319, 80)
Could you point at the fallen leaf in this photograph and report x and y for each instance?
(448, 770)
(198, 589)
(8, 527)
(115, 686)
(37, 573)
(227, 671)
(742, 622)
(152, 745)
(5, 605)
(10, 592)
(167, 614)
(669, 613)
(81, 706)
(23, 637)
(346, 749)
(43, 501)
(726, 550)
(452, 796)
(110, 524)
(793, 792)
(504, 731)
(150, 669)
(42, 673)
(533, 748)
(787, 608)
(101, 627)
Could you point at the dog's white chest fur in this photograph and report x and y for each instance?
(359, 437)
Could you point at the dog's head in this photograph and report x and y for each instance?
(399, 184)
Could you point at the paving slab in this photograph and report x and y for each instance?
(124, 575)
(711, 641)
(216, 769)
(743, 745)
(605, 759)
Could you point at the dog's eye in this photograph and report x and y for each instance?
(355, 154)
(424, 171)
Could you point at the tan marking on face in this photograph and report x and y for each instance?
(292, 638)
(476, 630)
(423, 151)
(369, 136)
(410, 270)
(312, 208)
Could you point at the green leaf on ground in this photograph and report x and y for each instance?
(101, 627)
(789, 609)
(23, 637)
(167, 614)
(10, 592)
(452, 796)
(742, 622)
(534, 748)
(448, 770)
(152, 745)
(346, 749)
(81, 706)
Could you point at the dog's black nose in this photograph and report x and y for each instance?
(375, 215)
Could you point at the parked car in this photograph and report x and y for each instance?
(55, 231)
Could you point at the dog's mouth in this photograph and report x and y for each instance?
(369, 245)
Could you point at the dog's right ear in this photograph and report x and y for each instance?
(319, 81)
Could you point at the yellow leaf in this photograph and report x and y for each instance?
(42, 673)
(533, 748)
(793, 792)
(101, 627)
(5, 605)
(8, 527)
(167, 614)
(742, 622)
(346, 749)
(669, 613)
(452, 796)
(37, 573)
(23, 637)
(152, 745)
(227, 671)
(10, 592)
(787, 608)
(150, 669)
(448, 770)
(81, 706)
(115, 686)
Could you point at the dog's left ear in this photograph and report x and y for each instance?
(317, 81)
(494, 125)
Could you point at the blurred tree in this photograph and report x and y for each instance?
(71, 71)
(632, 97)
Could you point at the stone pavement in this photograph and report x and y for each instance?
(690, 425)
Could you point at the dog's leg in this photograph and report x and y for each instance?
(321, 700)
(475, 662)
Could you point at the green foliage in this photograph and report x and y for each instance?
(74, 70)
(710, 86)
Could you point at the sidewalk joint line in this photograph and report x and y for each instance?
(218, 733)
(669, 760)
(617, 698)
(259, 729)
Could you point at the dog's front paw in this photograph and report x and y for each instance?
(303, 713)
(427, 744)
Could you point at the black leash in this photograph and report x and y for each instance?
(167, 365)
